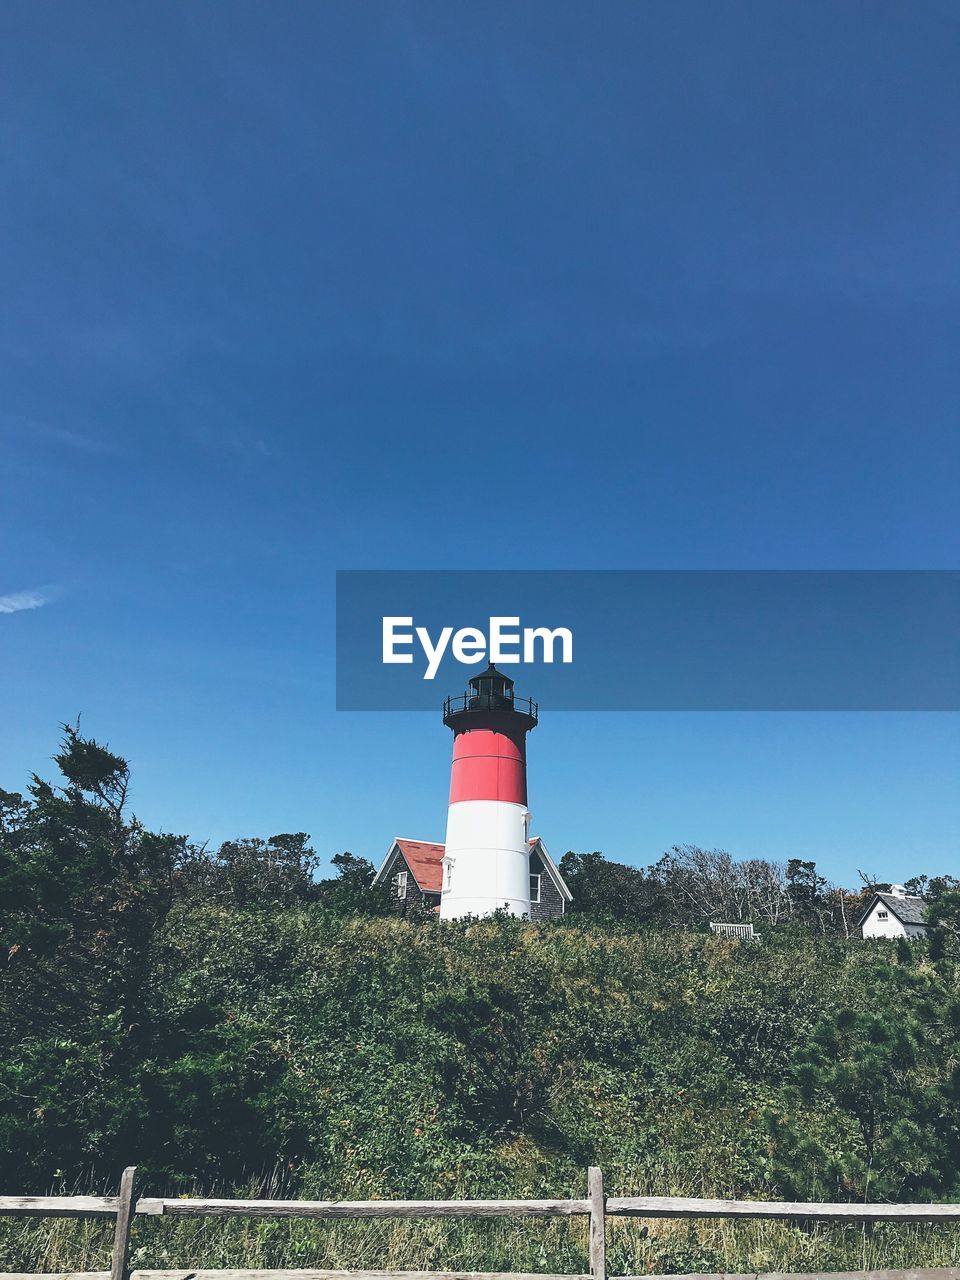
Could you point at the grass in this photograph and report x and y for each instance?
(634, 1247)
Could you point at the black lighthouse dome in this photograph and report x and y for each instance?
(490, 691)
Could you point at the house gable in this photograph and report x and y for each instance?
(423, 862)
(894, 915)
(554, 894)
(420, 861)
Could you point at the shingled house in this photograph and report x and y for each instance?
(896, 914)
(415, 870)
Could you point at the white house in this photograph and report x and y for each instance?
(896, 914)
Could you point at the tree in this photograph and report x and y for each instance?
(83, 891)
(352, 891)
(932, 887)
(604, 888)
(701, 885)
(843, 909)
(871, 1113)
(943, 920)
(808, 893)
(687, 886)
(250, 872)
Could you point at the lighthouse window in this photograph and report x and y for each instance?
(534, 888)
(400, 884)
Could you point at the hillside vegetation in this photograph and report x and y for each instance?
(308, 1049)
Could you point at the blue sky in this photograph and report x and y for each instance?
(289, 288)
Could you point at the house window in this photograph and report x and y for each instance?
(534, 888)
(400, 884)
(881, 915)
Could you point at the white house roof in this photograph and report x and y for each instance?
(908, 908)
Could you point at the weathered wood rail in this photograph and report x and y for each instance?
(597, 1207)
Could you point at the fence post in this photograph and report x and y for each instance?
(121, 1237)
(598, 1224)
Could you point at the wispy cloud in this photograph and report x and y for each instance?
(21, 600)
(31, 429)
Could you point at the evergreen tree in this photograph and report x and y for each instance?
(871, 1113)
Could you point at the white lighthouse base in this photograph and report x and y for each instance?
(487, 860)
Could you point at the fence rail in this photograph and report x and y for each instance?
(596, 1207)
(59, 1206)
(178, 1207)
(787, 1210)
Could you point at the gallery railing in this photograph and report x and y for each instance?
(489, 702)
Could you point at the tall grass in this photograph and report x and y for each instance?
(634, 1246)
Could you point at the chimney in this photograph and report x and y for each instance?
(898, 891)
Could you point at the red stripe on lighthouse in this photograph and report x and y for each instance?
(488, 765)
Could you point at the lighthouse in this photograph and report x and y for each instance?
(490, 862)
(486, 863)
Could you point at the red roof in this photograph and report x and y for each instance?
(424, 861)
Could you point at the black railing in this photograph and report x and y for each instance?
(490, 702)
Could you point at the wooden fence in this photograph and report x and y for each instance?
(596, 1207)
